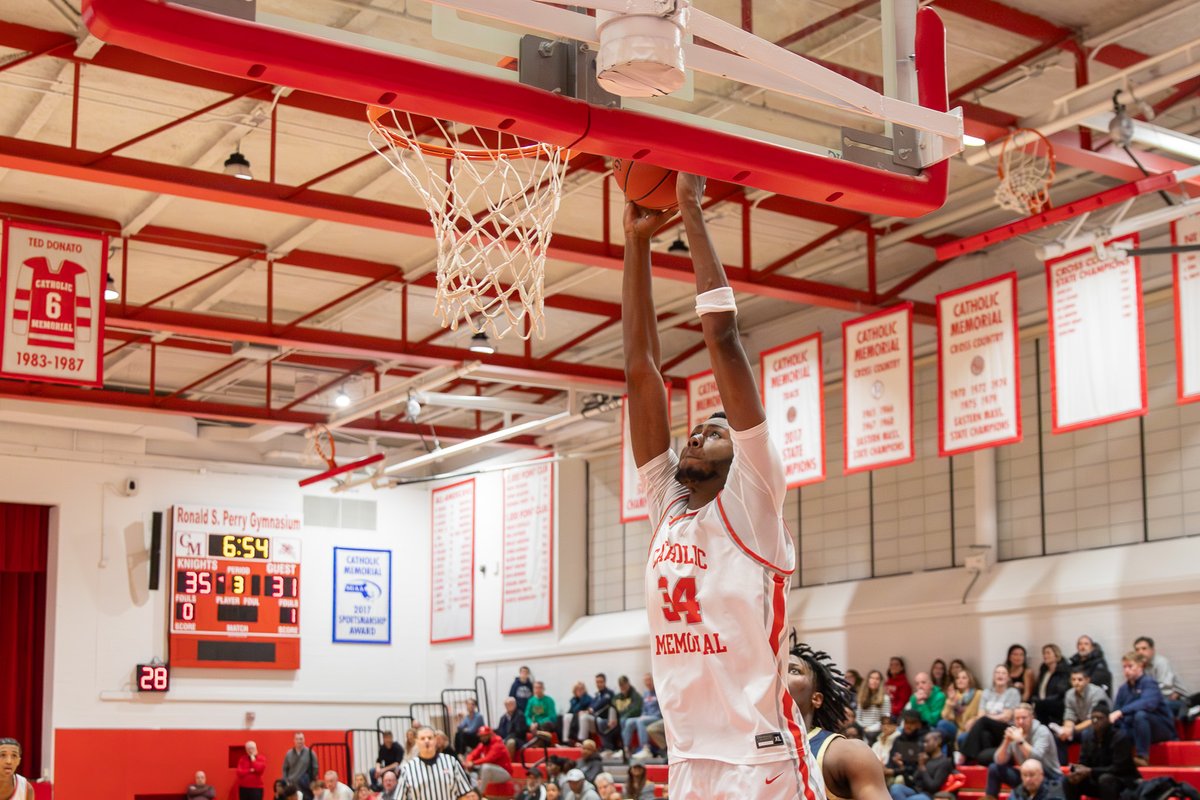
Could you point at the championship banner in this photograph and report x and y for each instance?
(979, 388)
(1097, 338)
(452, 567)
(794, 399)
(1186, 231)
(703, 398)
(877, 390)
(53, 304)
(362, 596)
(527, 565)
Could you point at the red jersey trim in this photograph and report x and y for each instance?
(742, 545)
(779, 613)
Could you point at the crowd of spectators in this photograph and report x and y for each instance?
(1019, 725)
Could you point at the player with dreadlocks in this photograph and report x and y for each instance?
(820, 690)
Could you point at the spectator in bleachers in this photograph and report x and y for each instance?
(512, 727)
(557, 768)
(873, 703)
(854, 681)
(590, 761)
(1105, 767)
(553, 792)
(639, 724)
(1019, 672)
(1078, 704)
(1159, 668)
(319, 790)
(391, 786)
(1090, 656)
(390, 756)
(335, 788)
(933, 767)
(927, 699)
(578, 787)
(996, 707)
(628, 703)
(1053, 683)
(605, 785)
(250, 768)
(466, 733)
(540, 712)
(574, 726)
(1025, 739)
(657, 731)
(961, 708)
(442, 742)
(907, 747)
(1033, 785)
(359, 781)
(290, 791)
(521, 689)
(201, 789)
(410, 747)
(300, 766)
(854, 731)
(490, 759)
(535, 788)
(637, 787)
(604, 715)
(1139, 709)
(888, 731)
(364, 793)
(940, 675)
(897, 685)
(956, 666)
(278, 791)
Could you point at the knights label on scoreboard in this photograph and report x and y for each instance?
(235, 581)
(53, 282)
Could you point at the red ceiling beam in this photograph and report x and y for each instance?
(825, 22)
(228, 412)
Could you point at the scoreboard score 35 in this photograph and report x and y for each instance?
(235, 588)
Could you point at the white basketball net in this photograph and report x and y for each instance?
(492, 211)
(1026, 171)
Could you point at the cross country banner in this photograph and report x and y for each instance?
(794, 399)
(979, 390)
(703, 399)
(1097, 337)
(878, 389)
(1186, 231)
(53, 284)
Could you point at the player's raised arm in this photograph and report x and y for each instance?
(714, 301)
(649, 421)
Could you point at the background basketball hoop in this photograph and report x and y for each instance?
(1026, 171)
(320, 444)
(492, 213)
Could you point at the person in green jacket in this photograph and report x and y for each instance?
(540, 712)
(927, 699)
(628, 703)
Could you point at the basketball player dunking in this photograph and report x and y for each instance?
(720, 556)
(12, 785)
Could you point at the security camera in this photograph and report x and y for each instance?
(130, 488)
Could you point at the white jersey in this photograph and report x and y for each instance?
(21, 787)
(717, 580)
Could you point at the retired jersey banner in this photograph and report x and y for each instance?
(527, 565)
(53, 301)
(703, 398)
(877, 390)
(1186, 231)
(452, 567)
(1097, 338)
(794, 398)
(979, 392)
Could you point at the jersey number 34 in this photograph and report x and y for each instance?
(680, 603)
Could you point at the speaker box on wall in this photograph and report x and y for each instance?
(155, 548)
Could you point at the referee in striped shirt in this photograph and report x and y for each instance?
(433, 775)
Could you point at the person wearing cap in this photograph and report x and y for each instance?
(578, 787)
(490, 759)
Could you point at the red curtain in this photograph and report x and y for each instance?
(24, 538)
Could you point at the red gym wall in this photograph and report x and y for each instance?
(121, 764)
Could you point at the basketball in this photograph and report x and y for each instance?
(645, 184)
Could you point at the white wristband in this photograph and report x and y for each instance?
(714, 300)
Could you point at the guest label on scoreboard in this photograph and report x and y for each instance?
(235, 581)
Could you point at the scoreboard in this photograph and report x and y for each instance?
(235, 588)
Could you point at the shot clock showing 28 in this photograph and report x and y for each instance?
(235, 598)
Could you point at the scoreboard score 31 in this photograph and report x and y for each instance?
(235, 588)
